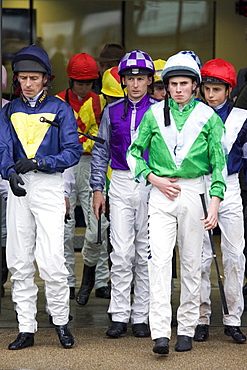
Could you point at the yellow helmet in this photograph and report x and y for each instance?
(159, 65)
(111, 85)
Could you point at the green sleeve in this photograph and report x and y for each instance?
(217, 157)
(137, 164)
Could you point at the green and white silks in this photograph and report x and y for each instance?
(191, 146)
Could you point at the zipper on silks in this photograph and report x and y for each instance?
(132, 124)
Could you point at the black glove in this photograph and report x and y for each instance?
(14, 180)
(67, 218)
(24, 165)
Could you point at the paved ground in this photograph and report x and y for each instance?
(93, 350)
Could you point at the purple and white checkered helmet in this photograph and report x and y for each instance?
(136, 62)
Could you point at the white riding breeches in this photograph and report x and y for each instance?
(170, 221)
(35, 225)
(93, 253)
(230, 220)
(128, 204)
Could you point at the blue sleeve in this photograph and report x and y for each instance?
(6, 144)
(242, 139)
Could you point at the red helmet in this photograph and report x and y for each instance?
(82, 67)
(219, 71)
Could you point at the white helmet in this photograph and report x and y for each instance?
(181, 65)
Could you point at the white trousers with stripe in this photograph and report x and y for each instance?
(128, 205)
(233, 260)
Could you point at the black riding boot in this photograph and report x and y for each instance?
(88, 280)
(4, 270)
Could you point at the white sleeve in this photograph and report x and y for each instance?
(69, 181)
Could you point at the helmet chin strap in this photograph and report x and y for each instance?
(167, 110)
(125, 100)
